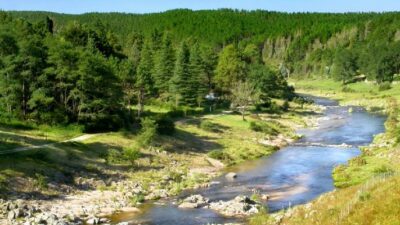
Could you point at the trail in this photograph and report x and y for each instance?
(33, 147)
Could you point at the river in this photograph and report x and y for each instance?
(293, 175)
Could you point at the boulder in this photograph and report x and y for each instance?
(93, 221)
(194, 201)
(231, 176)
(123, 223)
(265, 197)
(239, 206)
(18, 213)
(11, 215)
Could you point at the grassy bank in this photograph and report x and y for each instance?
(368, 190)
(174, 162)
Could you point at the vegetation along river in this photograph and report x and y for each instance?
(294, 175)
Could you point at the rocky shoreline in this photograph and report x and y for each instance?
(102, 198)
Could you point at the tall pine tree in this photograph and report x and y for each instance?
(144, 79)
(164, 65)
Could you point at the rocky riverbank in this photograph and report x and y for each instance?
(164, 171)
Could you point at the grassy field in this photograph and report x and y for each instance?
(362, 93)
(368, 190)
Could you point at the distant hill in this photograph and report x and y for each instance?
(306, 42)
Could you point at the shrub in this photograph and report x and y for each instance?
(132, 154)
(137, 199)
(113, 156)
(302, 100)
(263, 127)
(217, 154)
(147, 133)
(41, 181)
(165, 125)
(285, 106)
(384, 86)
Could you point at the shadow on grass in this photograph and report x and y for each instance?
(185, 142)
(10, 141)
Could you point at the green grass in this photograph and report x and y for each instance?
(374, 202)
(364, 94)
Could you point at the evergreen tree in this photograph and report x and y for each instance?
(99, 93)
(179, 83)
(345, 65)
(144, 80)
(164, 65)
(209, 60)
(197, 85)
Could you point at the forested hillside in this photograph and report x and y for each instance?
(306, 43)
(92, 68)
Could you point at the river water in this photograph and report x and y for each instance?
(293, 175)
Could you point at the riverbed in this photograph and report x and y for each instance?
(294, 175)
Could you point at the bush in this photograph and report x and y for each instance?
(165, 125)
(137, 199)
(384, 86)
(114, 156)
(132, 154)
(263, 127)
(217, 154)
(147, 133)
(285, 106)
(209, 126)
(41, 181)
(302, 100)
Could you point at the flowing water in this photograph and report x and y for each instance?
(294, 175)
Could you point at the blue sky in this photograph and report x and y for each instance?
(145, 6)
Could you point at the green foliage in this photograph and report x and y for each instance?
(384, 86)
(345, 65)
(217, 154)
(263, 127)
(230, 68)
(137, 199)
(41, 181)
(90, 69)
(147, 133)
(165, 125)
(132, 154)
(114, 156)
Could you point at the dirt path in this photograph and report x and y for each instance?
(28, 148)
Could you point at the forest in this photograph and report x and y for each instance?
(100, 69)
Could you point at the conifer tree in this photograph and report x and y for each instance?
(179, 83)
(164, 65)
(144, 80)
(197, 85)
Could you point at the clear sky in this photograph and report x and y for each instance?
(145, 6)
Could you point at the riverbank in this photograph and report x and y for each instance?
(367, 190)
(80, 181)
